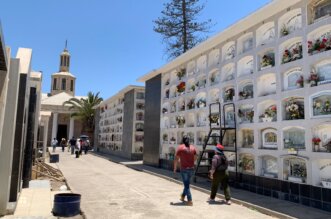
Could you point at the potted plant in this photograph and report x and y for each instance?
(316, 142)
(172, 140)
(192, 88)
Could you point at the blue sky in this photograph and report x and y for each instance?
(111, 42)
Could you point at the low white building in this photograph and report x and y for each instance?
(120, 126)
(275, 66)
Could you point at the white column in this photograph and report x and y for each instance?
(45, 137)
(71, 128)
(54, 128)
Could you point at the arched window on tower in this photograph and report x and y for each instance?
(54, 83)
(63, 84)
(72, 85)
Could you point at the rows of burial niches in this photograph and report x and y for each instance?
(278, 76)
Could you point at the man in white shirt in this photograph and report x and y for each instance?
(54, 144)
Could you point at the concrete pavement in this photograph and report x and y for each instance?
(270, 206)
(112, 190)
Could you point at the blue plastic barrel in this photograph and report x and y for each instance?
(66, 204)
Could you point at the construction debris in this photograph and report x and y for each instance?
(41, 168)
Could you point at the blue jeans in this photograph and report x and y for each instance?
(186, 176)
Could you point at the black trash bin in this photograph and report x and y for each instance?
(66, 204)
(54, 158)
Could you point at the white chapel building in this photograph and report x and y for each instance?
(54, 117)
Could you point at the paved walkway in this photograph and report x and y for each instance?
(112, 190)
(270, 206)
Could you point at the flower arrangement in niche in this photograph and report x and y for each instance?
(181, 73)
(270, 114)
(201, 103)
(294, 110)
(165, 137)
(316, 140)
(192, 88)
(247, 164)
(172, 140)
(286, 56)
(319, 45)
(181, 87)
(228, 96)
(313, 78)
(164, 110)
(284, 30)
(245, 94)
(300, 82)
(293, 54)
(321, 107)
(246, 115)
(191, 104)
(267, 60)
(214, 118)
(180, 120)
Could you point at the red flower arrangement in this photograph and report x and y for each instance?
(181, 87)
(316, 140)
(300, 81)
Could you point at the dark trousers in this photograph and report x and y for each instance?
(223, 178)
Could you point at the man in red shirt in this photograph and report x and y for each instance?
(186, 154)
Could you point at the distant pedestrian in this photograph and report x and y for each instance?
(54, 144)
(86, 146)
(219, 174)
(186, 155)
(63, 143)
(72, 144)
(80, 146)
(77, 151)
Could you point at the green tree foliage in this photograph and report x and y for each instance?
(179, 27)
(84, 109)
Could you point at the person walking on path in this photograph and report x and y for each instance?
(63, 143)
(72, 144)
(54, 144)
(78, 146)
(219, 174)
(186, 154)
